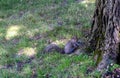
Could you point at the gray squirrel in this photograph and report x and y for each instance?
(69, 47)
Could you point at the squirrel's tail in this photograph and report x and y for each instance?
(53, 47)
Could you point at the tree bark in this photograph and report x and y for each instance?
(105, 32)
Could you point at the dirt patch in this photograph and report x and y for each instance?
(19, 64)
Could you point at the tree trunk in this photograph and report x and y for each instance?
(105, 31)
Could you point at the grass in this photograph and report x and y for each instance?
(27, 26)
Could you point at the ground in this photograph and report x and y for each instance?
(27, 26)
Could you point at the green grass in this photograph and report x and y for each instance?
(27, 26)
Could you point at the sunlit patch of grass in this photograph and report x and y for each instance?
(12, 31)
(87, 1)
(1, 34)
(1, 19)
(27, 51)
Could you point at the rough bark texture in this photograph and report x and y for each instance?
(105, 32)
